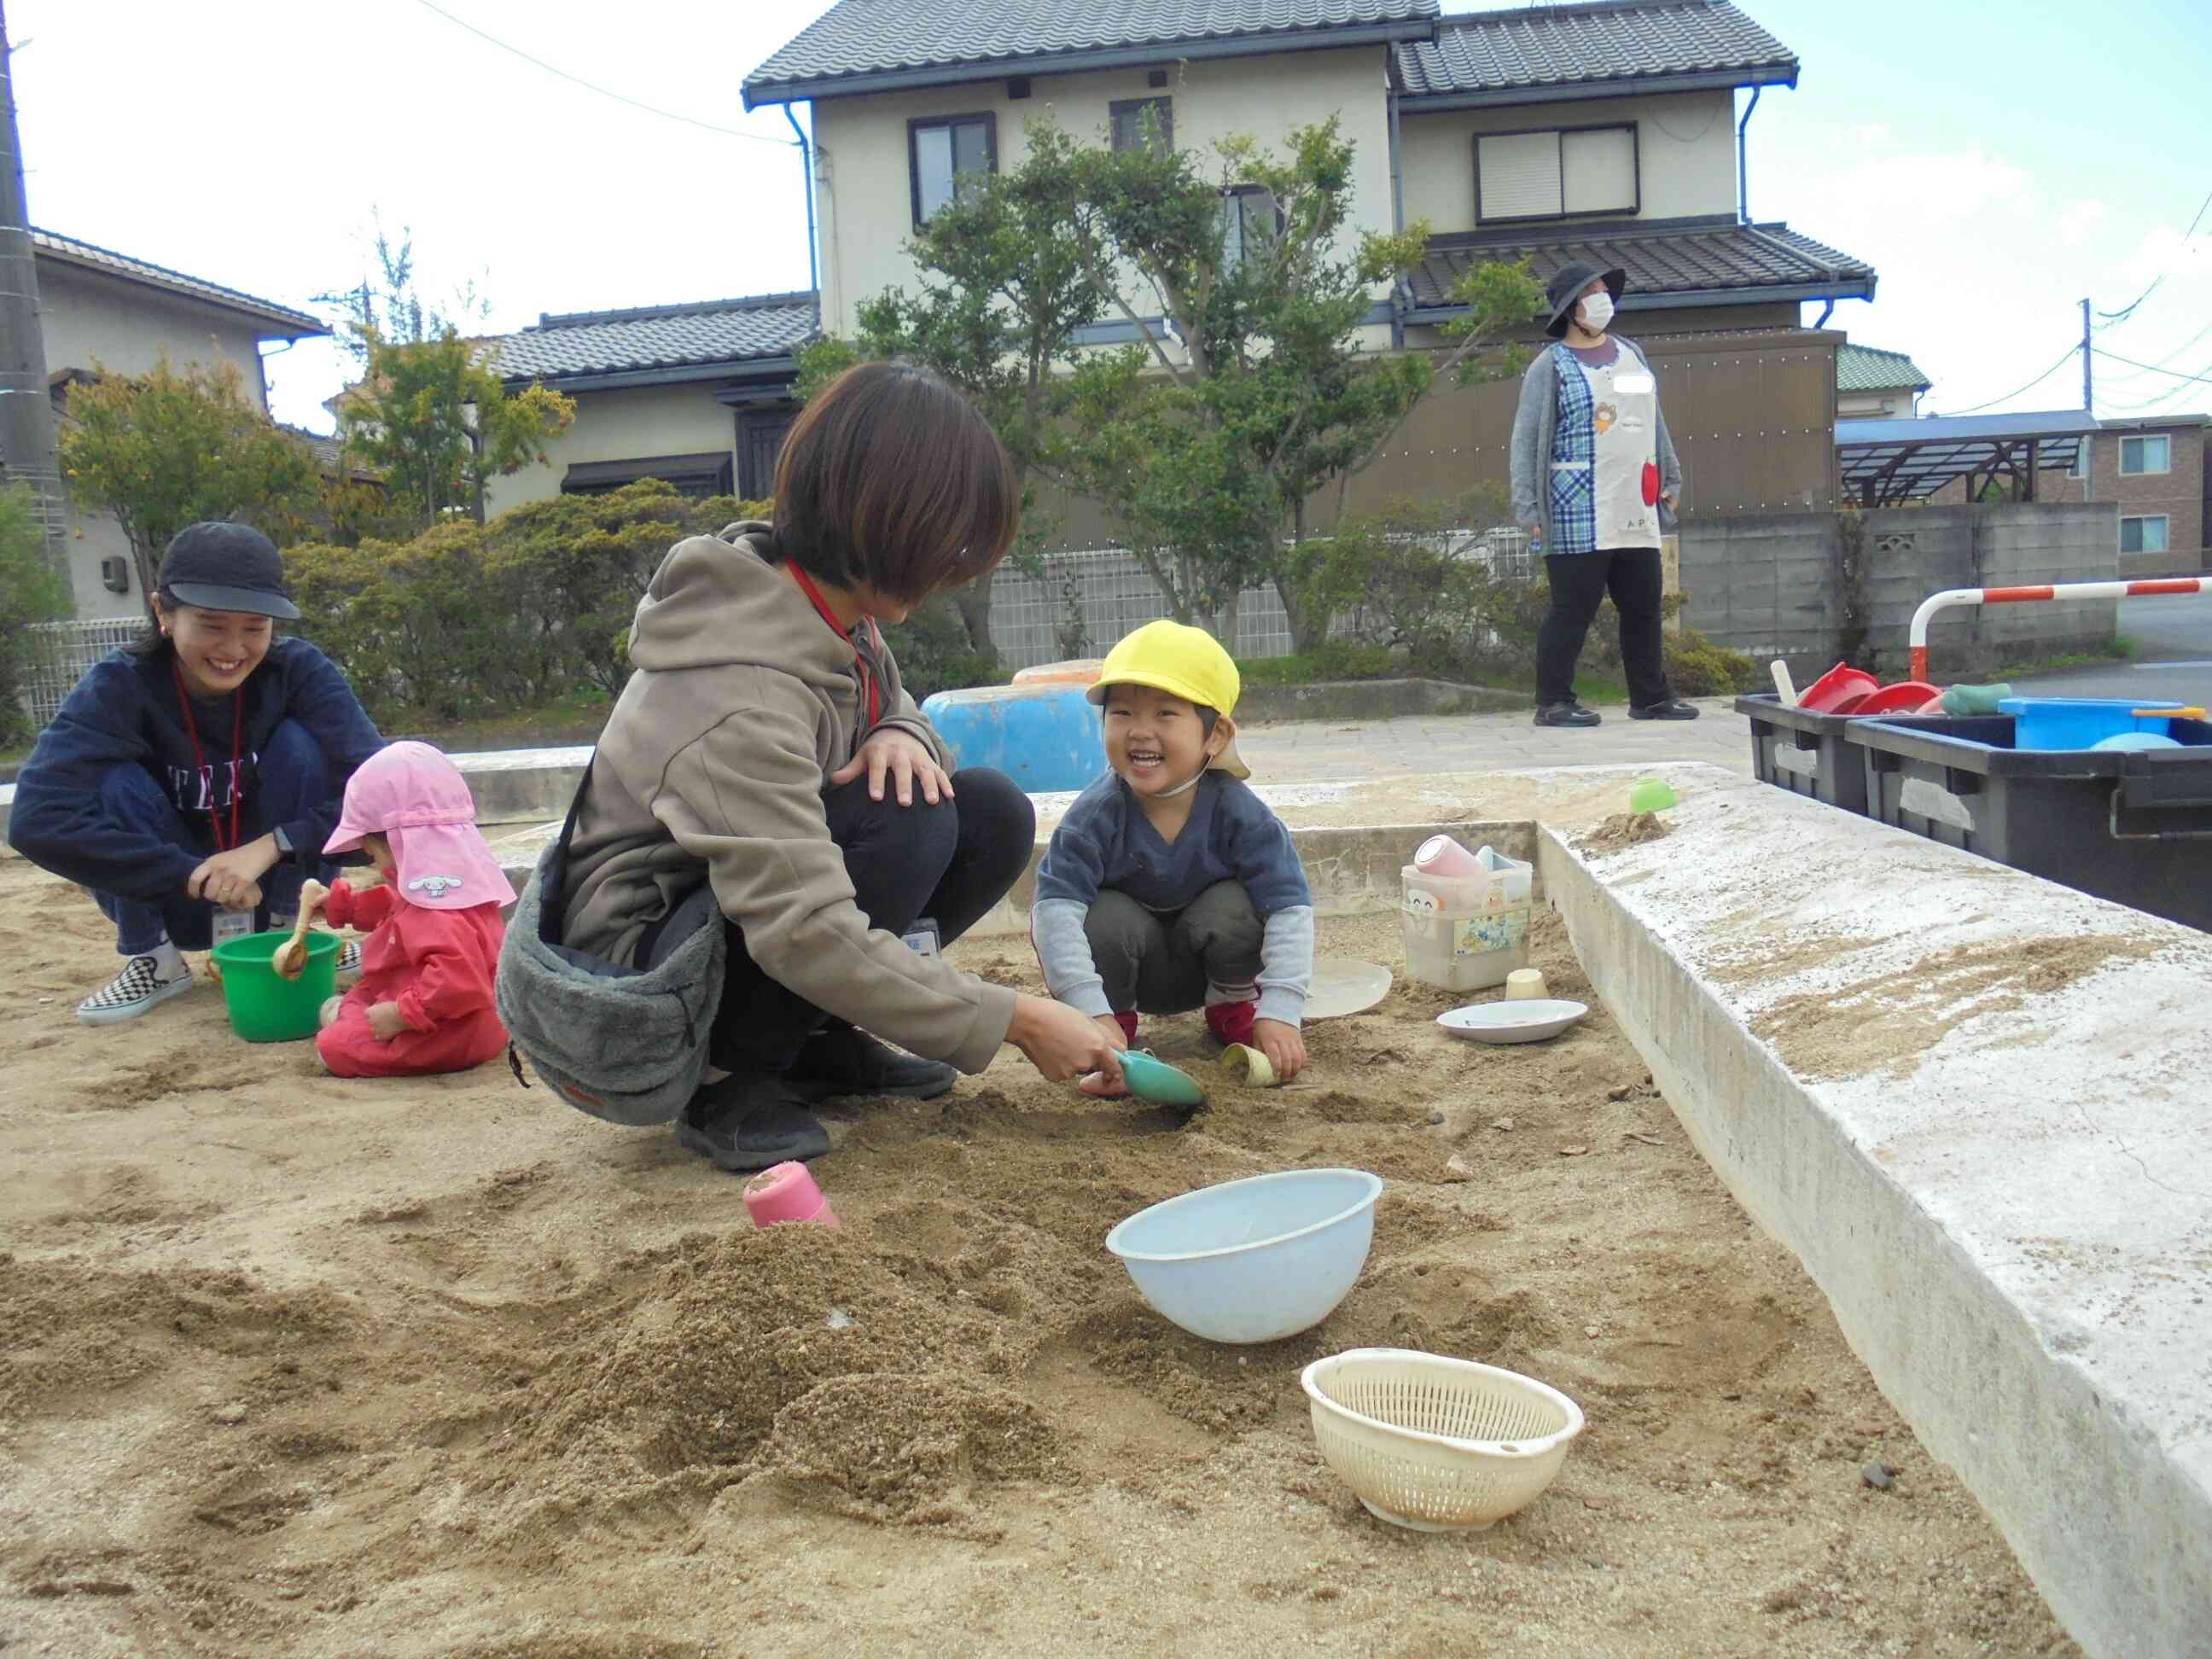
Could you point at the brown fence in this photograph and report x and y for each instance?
(1753, 417)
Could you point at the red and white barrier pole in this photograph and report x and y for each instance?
(2200, 585)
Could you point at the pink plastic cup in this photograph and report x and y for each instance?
(787, 1193)
(1440, 855)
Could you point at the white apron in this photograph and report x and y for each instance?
(1625, 433)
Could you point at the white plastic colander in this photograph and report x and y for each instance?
(1437, 1444)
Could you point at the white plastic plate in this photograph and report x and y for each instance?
(1341, 986)
(1525, 1020)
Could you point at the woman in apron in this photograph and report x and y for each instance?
(1594, 472)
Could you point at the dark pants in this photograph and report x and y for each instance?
(951, 862)
(1580, 582)
(1162, 964)
(296, 778)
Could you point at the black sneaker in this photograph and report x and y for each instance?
(1567, 713)
(744, 1124)
(842, 1059)
(1673, 710)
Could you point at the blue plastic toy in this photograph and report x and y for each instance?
(1046, 738)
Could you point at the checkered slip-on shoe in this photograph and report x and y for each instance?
(131, 992)
(349, 957)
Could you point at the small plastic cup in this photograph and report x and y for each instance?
(786, 1192)
(1651, 795)
(1248, 1066)
(1525, 985)
(1440, 855)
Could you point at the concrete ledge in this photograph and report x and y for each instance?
(1372, 699)
(2006, 1195)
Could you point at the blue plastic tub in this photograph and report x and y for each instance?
(1046, 738)
(2078, 722)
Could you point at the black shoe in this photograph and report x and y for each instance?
(1567, 713)
(1673, 710)
(842, 1059)
(747, 1123)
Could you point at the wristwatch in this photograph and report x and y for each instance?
(284, 841)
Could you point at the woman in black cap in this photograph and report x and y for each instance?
(1594, 475)
(191, 778)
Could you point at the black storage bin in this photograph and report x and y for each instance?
(2131, 826)
(1805, 752)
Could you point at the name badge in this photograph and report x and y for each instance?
(1635, 386)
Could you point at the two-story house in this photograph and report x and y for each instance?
(1615, 132)
(1873, 385)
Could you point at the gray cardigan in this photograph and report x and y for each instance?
(1534, 425)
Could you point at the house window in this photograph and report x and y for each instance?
(761, 433)
(2140, 455)
(1563, 174)
(2143, 535)
(1138, 121)
(1249, 219)
(2083, 457)
(695, 476)
(942, 151)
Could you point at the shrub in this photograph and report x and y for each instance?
(935, 654)
(31, 592)
(1334, 660)
(1698, 668)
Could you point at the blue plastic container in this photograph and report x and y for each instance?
(2078, 722)
(1046, 738)
(1255, 1260)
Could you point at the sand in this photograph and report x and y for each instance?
(308, 1367)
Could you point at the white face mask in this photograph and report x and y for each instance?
(1597, 311)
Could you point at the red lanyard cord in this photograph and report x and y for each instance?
(867, 675)
(199, 760)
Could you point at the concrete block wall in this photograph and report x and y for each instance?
(1765, 583)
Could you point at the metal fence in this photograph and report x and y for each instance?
(61, 651)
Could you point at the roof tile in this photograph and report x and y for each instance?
(1870, 369)
(1562, 46)
(286, 322)
(658, 336)
(1657, 262)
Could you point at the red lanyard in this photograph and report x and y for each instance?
(867, 675)
(199, 760)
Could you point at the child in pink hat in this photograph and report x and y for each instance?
(424, 1003)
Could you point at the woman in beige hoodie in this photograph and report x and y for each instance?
(765, 760)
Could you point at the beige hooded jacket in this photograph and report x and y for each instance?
(712, 767)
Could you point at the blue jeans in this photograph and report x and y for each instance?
(295, 777)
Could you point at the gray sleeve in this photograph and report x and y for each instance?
(1063, 948)
(1287, 958)
(1537, 388)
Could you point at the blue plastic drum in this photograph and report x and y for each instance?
(1045, 737)
(2078, 722)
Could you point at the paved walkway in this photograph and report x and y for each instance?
(1344, 751)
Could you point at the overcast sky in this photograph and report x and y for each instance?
(1995, 164)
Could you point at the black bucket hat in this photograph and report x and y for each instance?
(227, 567)
(1566, 286)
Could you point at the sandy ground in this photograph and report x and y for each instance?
(307, 1367)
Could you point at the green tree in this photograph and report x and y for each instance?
(166, 449)
(31, 592)
(1002, 294)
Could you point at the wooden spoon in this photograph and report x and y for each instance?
(291, 959)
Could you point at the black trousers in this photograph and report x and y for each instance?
(1580, 582)
(951, 862)
(1163, 964)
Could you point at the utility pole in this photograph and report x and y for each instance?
(26, 416)
(2088, 405)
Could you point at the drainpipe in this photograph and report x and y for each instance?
(1397, 217)
(1826, 312)
(813, 259)
(1742, 171)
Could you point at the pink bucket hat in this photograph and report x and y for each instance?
(417, 799)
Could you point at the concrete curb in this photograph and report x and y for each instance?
(2015, 1237)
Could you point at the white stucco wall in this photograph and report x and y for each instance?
(1685, 145)
(621, 426)
(863, 190)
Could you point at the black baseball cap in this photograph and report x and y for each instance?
(227, 567)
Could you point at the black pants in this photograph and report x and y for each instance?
(1580, 582)
(1162, 964)
(949, 862)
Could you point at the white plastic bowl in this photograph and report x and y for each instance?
(1517, 1019)
(1437, 1444)
(1255, 1260)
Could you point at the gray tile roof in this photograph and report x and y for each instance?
(1502, 55)
(705, 334)
(1690, 260)
(857, 42)
(1869, 368)
(278, 322)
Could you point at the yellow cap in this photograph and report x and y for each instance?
(1183, 662)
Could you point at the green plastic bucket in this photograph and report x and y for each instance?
(266, 1008)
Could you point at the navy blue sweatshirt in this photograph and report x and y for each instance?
(127, 712)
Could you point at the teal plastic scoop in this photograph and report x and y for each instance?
(1158, 1081)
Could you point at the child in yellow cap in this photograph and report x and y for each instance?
(1170, 885)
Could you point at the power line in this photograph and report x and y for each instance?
(2203, 374)
(2114, 319)
(2182, 349)
(603, 92)
(2064, 357)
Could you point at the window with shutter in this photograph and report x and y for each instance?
(1563, 173)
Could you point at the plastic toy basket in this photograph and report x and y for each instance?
(1437, 1444)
